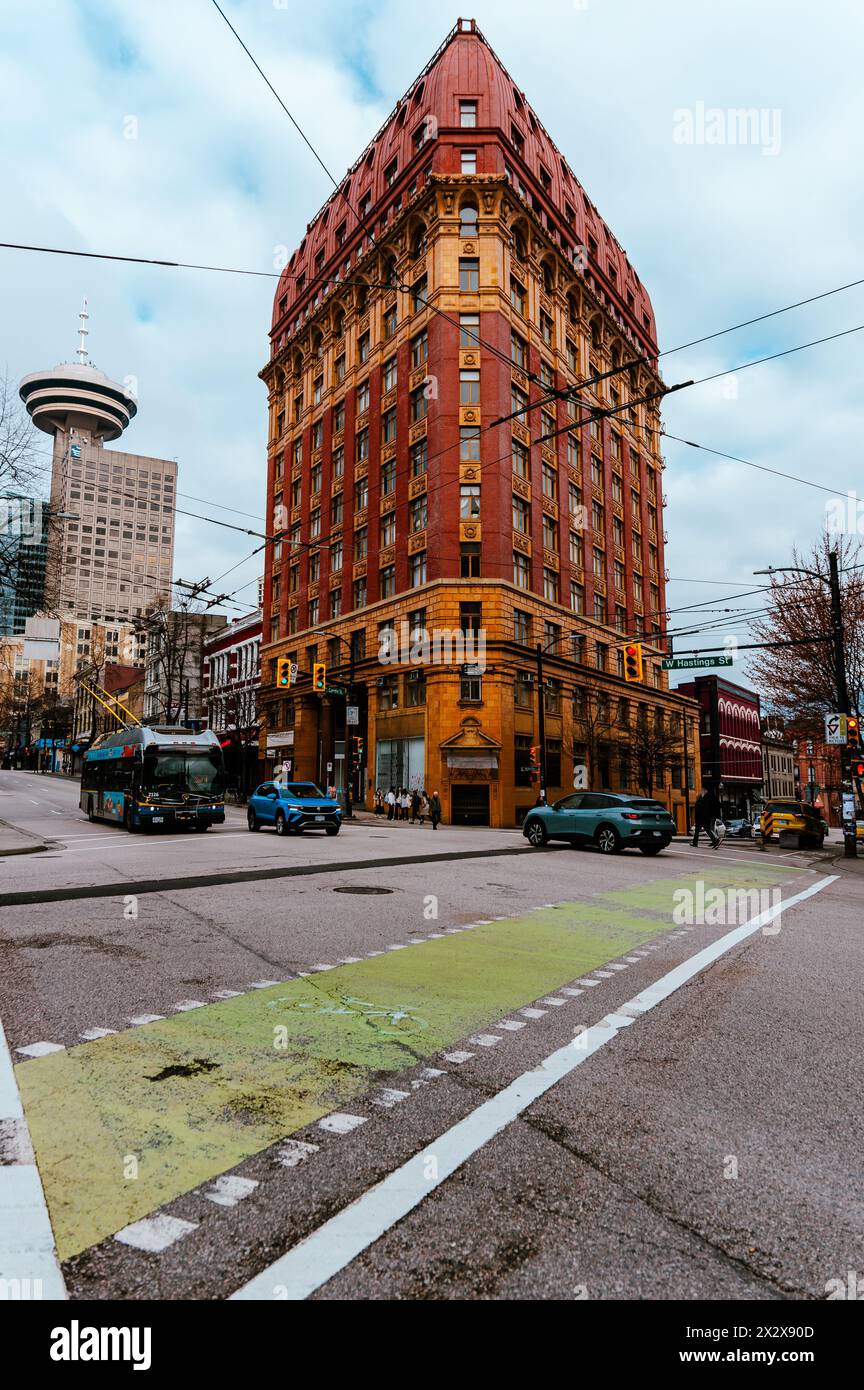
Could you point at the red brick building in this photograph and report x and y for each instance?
(730, 740)
(430, 460)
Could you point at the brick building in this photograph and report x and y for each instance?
(430, 464)
(232, 678)
(730, 741)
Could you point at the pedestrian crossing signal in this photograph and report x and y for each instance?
(283, 671)
(319, 676)
(633, 661)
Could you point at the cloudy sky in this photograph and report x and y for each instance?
(215, 173)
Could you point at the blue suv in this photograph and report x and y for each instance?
(611, 821)
(293, 807)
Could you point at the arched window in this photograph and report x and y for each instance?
(518, 245)
(548, 278)
(390, 271)
(338, 323)
(418, 241)
(468, 220)
(362, 297)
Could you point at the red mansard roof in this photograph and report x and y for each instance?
(465, 66)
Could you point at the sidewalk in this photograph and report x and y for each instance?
(15, 841)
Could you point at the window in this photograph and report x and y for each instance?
(361, 494)
(388, 477)
(572, 357)
(550, 533)
(419, 457)
(361, 543)
(549, 481)
(469, 388)
(601, 655)
(419, 349)
(518, 352)
(315, 478)
(469, 501)
(390, 321)
(521, 460)
(317, 390)
(521, 515)
(415, 689)
(362, 397)
(469, 273)
(547, 329)
(419, 404)
(469, 444)
(470, 617)
(418, 513)
(339, 417)
(521, 570)
(417, 569)
(467, 114)
(471, 690)
(518, 402)
(387, 581)
(388, 426)
(363, 348)
(335, 556)
(574, 502)
(468, 161)
(577, 596)
(360, 593)
(363, 444)
(315, 524)
(388, 529)
(522, 751)
(390, 173)
(469, 560)
(517, 295)
(469, 330)
(521, 627)
(550, 584)
(338, 465)
(419, 292)
(388, 375)
(468, 219)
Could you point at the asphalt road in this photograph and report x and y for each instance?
(460, 1078)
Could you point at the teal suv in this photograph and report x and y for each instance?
(292, 807)
(608, 820)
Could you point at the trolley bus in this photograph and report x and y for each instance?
(145, 777)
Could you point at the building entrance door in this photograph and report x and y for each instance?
(470, 804)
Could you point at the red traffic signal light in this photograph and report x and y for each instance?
(858, 769)
(633, 661)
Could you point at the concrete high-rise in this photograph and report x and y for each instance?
(111, 537)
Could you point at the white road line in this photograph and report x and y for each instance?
(228, 1190)
(341, 1122)
(163, 844)
(27, 1251)
(155, 1233)
(315, 1260)
(40, 1049)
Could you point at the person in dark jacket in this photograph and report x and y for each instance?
(707, 811)
(435, 809)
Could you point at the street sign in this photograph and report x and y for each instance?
(580, 777)
(352, 714)
(692, 663)
(335, 690)
(849, 806)
(835, 728)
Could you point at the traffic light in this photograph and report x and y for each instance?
(359, 750)
(283, 671)
(319, 676)
(858, 769)
(534, 761)
(633, 661)
(853, 732)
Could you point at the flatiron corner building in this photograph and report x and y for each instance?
(434, 477)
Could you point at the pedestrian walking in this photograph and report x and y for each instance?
(405, 803)
(379, 802)
(424, 807)
(415, 805)
(707, 811)
(391, 803)
(435, 810)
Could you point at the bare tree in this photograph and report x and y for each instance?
(21, 472)
(799, 679)
(654, 745)
(593, 728)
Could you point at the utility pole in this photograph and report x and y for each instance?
(349, 739)
(541, 722)
(850, 830)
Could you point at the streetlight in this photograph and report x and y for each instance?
(349, 807)
(850, 846)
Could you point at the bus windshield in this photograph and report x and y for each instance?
(174, 774)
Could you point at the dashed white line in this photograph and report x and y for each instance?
(40, 1049)
(229, 1189)
(389, 1096)
(341, 1123)
(140, 1019)
(457, 1058)
(91, 1034)
(155, 1233)
(295, 1151)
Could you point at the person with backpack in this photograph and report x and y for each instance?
(707, 811)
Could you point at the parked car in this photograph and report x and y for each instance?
(292, 807)
(739, 828)
(610, 820)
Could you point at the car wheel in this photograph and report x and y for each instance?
(537, 835)
(252, 820)
(607, 840)
(281, 825)
(332, 829)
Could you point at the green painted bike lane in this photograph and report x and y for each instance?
(183, 1100)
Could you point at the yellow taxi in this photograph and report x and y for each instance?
(784, 816)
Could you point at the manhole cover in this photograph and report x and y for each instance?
(360, 889)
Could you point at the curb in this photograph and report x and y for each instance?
(36, 848)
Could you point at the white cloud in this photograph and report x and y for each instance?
(218, 174)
